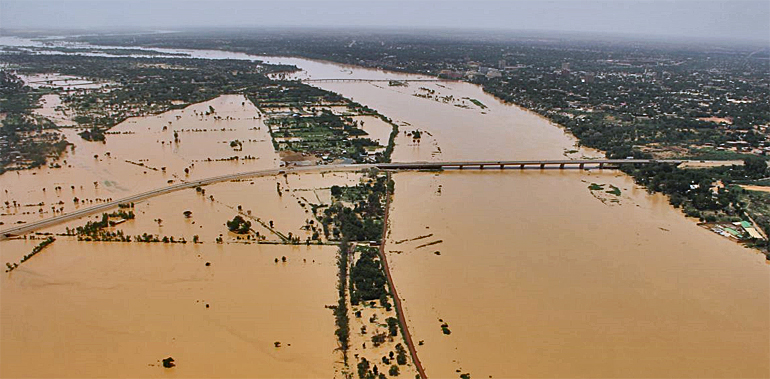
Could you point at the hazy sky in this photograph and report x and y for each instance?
(709, 19)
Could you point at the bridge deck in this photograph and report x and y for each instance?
(542, 163)
(372, 80)
(26, 228)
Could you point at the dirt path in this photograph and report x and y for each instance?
(396, 299)
(755, 188)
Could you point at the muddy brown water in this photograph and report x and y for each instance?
(115, 310)
(536, 276)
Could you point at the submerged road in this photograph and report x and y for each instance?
(600, 163)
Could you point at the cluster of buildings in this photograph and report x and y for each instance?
(739, 231)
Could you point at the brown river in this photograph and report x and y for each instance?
(535, 274)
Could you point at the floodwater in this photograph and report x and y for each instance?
(537, 277)
(140, 154)
(535, 274)
(52, 108)
(151, 298)
(90, 309)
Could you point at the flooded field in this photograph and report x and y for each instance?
(534, 273)
(91, 309)
(140, 154)
(236, 296)
(52, 108)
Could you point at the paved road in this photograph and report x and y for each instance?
(373, 80)
(522, 163)
(32, 226)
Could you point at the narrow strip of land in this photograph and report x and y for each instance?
(396, 299)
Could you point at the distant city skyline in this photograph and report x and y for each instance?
(703, 19)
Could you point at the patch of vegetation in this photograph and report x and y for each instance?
(400, 354)
(323, 134)
(392, 326)
(341, 310)
(168, 362)
(143, 85)
(613, 190)
(362, 222)
(596, 187)
(26, 140)
(367, 277)
(239, 225)
(478, 103)
(42, 245)
(93, 134)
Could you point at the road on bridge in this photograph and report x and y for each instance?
(33, 226)
(331, 80)
(30, 227)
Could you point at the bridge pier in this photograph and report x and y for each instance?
(481, 167)
(542, 166)
(460, 167)
(601, 165)
(582, 166)
(521, 166)
(561, 166)
(502, 166)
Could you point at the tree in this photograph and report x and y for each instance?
(400, 354)
(239, 225)
(755, 167)
(393, 326)
(394, 371)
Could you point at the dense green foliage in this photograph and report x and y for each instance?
(25, 138)
(42, 245)
(367, 277)
(341, 310)
(363, 222)
(695, 192)
(139, 86)
(239, 225)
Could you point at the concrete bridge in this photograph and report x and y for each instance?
(542, 164)
(350, 80)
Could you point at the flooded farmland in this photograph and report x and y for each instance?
(140, 154)
(101, 309)
(534, 273)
